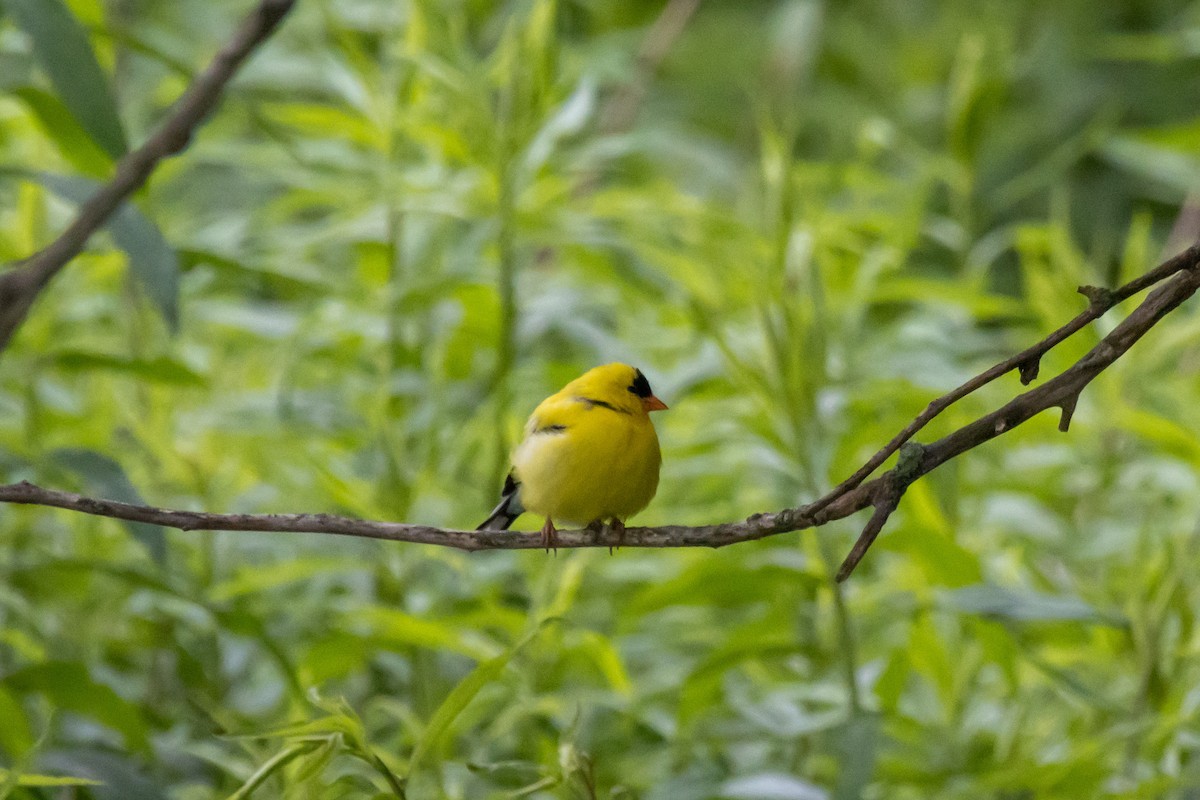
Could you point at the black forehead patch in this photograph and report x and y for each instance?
(640, 386)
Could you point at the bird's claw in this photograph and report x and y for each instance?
(550, 536)
(617, 526)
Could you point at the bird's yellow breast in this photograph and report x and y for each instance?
(581, 461)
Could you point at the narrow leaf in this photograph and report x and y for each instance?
(62, 48)
(155, 265)
(162, 369)
(25, 779)
(16, 736)
(104, 477)
(271, 766)
(57, 123)
(394, 627)
(857, 749)
(68, 685)
(1024, 606)
(771, 786)
(458, 699)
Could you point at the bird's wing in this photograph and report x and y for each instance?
(509, 508)
(555, 414)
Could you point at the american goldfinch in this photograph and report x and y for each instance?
(590, 455)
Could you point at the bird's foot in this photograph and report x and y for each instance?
(550, 536)
(599, 527)
(617, 526)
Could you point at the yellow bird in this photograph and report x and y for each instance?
(590, 455)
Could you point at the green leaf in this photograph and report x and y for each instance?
(16, 737)
(26, 779)
(857, 746)
(458, 699)
(398, 628)
(133, 577)
(162, 369)
(316, 121)
(567, 120)
(294, 277)
(16, 69)
(62, 47)
(1167, 435)
(601, 651)
(702, 687)
(1025, 606)
(118, 776)
(771, 786)
(320, 757)
(154, 264)
(313, 730)
(334, 655)
(104, 477)
(57, 122)
(1175, 168)
(260, 578)
(69, 686)
(272, 765)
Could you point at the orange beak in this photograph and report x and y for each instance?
(652, 403)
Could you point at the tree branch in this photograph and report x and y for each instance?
(1027, 363)
(20, 286)
(1182, 275)
(666, 536)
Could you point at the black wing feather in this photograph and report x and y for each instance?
(509, 508)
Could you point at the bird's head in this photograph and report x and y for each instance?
(619, 385)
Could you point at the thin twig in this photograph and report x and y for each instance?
(882, 493)
(1027, 363)
(1187, 225)
(20, 286)
(885, 504)
(620, 112)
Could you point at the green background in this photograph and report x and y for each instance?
(408, 222)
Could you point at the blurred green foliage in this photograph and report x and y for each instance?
(409, 221)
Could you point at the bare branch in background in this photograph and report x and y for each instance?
(1180, 277)
(621, 111)
(20, 286)
(1187, 225)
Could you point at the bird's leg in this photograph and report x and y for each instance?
(550, 536)
(617, 526)
(599, 527)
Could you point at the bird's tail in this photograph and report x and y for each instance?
(509, 508)
(500, 519)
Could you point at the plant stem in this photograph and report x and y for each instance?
(272, 765)
(395, 783)
(847, 643)
(507, 277)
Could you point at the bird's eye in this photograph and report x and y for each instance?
(640, 386)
